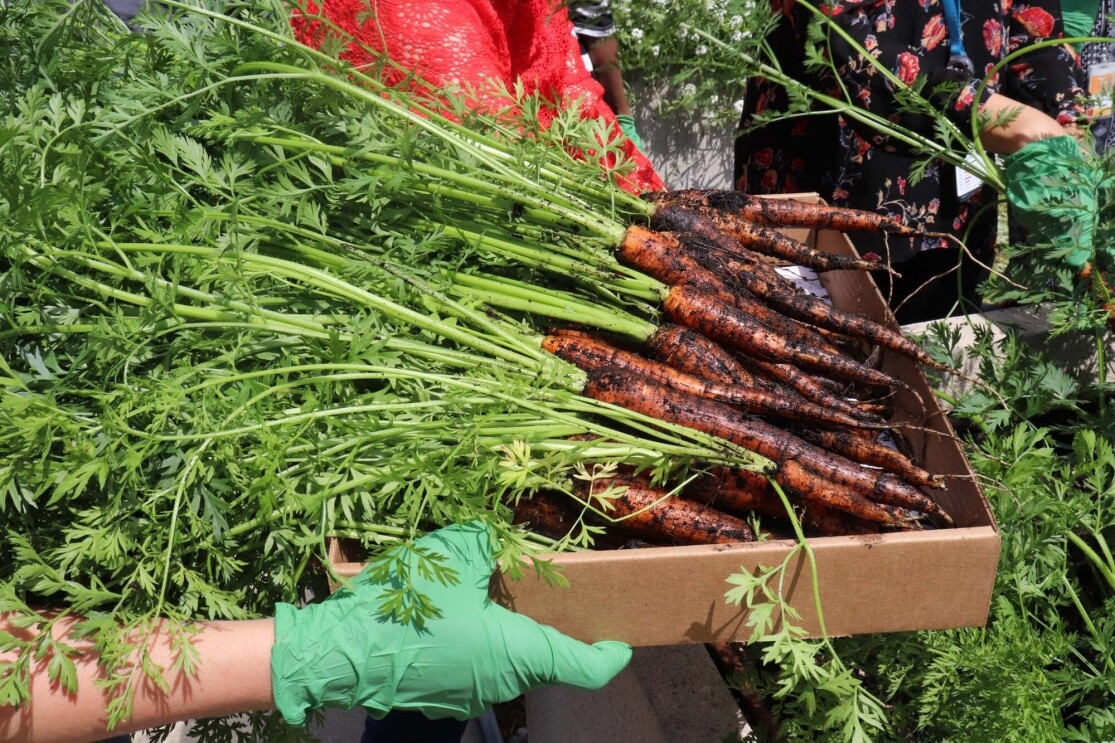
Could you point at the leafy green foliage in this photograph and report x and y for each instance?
(694, 47)
(232, 326)
(1043, 667)
(815, 695)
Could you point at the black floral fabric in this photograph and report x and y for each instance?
(851, 164)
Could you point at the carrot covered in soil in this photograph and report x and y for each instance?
(736, 491)
(738, 671)
(770, 242)
(687, 350)
(663, 257)
(786, 212)
(555, 515)
(591, 353)
(874, 453)
(810, 387)
(822, 521)
(657, 254)
(713, 225)
(736, 266)
(654, 515)
(802, 468)
(741, 491)
(700, 310)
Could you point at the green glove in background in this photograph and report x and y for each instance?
(1052, 192)
(627, 126)
(341, 653)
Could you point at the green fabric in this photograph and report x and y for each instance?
(627, 125)
(1078, 16)
(1053, 194)
(341, 653)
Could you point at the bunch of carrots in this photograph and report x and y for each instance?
(751, 358)
(745, 356)
(379, 300)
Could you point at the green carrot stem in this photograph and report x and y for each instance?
(550, 257)
(354, 83)
(568, 313)
(274, 322)
(1104, 568)
(334, 285)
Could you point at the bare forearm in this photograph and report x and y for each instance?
(605, 64)
(1013, 125)
(233, 675)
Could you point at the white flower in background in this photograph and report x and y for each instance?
(714, 99)
(735, 37)
(689, 89)
(735, 21)
(637, 34)
(655, 50)
(701, 50)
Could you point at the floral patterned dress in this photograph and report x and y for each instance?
(853, 165)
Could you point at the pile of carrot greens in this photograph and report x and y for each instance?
(246, 304)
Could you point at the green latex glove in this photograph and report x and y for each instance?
(341, 653)
(1078, 17)
(1052, 191)
(627, 126)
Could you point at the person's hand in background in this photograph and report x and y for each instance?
(1052, 191)
(627, 125)
(1049, 186)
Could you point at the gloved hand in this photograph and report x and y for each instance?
(1053, 193)
(627, 126)
(342, 653)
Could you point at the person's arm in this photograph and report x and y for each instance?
(234, 676)
(342, 652)
(1012, 125)
(604, 54)
(912, 42)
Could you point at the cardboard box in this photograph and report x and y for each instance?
(881, 583)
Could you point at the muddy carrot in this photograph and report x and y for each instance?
(770, 242)
(700, 310)
(802, 468)
(664, 258)
(742, 491)
(688, 351)
(809, 387)
(657, 254)
(556, 515)
(591, 353)
(786, 212)
(654, 515)
(739, 671)
(764, 282)
(736, 491)
(820, 520)
(728, 259)
(872, 452)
